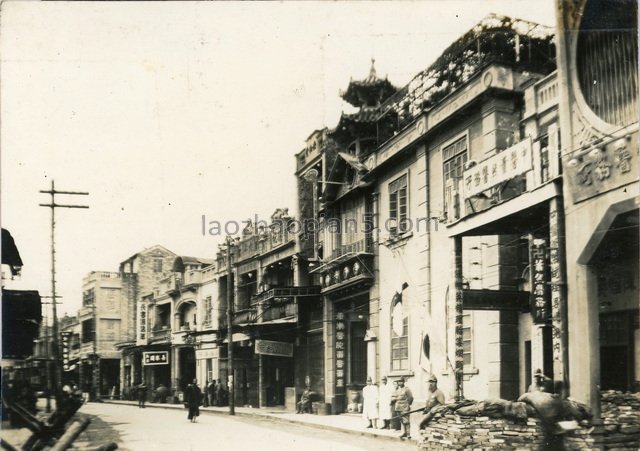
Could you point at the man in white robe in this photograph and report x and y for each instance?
(386, 392)
(370, 405)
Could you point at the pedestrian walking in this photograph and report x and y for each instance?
(142, 394)
(434, 398)
(384, 403)
(402, 400)
(370, 404)
(192, 399)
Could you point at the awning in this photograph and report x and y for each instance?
(354, 162)
(287, 320)
(238, 336)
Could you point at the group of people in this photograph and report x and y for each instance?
(387, 402)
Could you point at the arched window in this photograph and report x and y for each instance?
(399, 334)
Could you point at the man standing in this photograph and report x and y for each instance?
(386, 393)
(142, 394)
(211, 392)
(370, 405)
(435, 398)
(402, 400)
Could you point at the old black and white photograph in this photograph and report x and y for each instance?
(320, 225)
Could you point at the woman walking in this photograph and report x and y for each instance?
(192, 399)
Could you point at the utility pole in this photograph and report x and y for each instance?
(232, 390)
(57, 376)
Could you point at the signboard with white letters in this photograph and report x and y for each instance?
(155, 358)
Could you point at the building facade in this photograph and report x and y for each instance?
(598, 85)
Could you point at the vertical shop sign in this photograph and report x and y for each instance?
(142, 324)
(65, 338)
(340, 351)
(540, 308)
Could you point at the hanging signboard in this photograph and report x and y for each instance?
(277, 348)
(155, 358)
(499, 168)
(540, 296)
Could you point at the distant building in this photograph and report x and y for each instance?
(139, 275)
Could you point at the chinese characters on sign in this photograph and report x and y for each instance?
(341, 327)
(277, 348)
(155, 358)
(540, 309)
(142, 324)
(65, 337)
(499, 168)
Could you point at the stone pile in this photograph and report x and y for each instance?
(449, 432)
(620, 424)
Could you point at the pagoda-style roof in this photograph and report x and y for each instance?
(360, 124)
(370, 92)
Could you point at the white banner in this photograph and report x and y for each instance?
(499, 168)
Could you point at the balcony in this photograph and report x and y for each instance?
(244, 317)
(279, 293)
(161, 333)
(362, 246)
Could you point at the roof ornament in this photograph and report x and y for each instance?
(372, 72)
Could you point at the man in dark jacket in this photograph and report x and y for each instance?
(142, 394)
(192, 399)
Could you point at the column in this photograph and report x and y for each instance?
(262, 395)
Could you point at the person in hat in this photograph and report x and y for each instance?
(434, 398)
(402, 400)
(540, 382)
(370, 404)
(385, 395)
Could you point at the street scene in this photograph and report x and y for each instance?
(320, 225)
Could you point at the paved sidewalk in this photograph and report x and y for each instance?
(352, 423)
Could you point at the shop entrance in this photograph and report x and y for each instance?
(616, 264)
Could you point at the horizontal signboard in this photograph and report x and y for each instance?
(277, 348)
(155, 358)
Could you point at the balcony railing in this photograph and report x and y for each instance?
(284, 292)
(357, 247)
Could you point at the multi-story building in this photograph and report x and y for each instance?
(102, 317)
(139, 275)
(276, 315)
(598, 86)
(465, 183)
(342, 249)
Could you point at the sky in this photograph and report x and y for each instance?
(167, 112)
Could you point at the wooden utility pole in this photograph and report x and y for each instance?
(230, 328)
(57, 376)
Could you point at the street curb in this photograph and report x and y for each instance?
(270, 417)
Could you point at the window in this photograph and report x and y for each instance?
(454, 157)
(399, 335)
(88, 297)
(157, 265)
(87, 330)
(466, 339)
(207, 311)
(398, 205)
